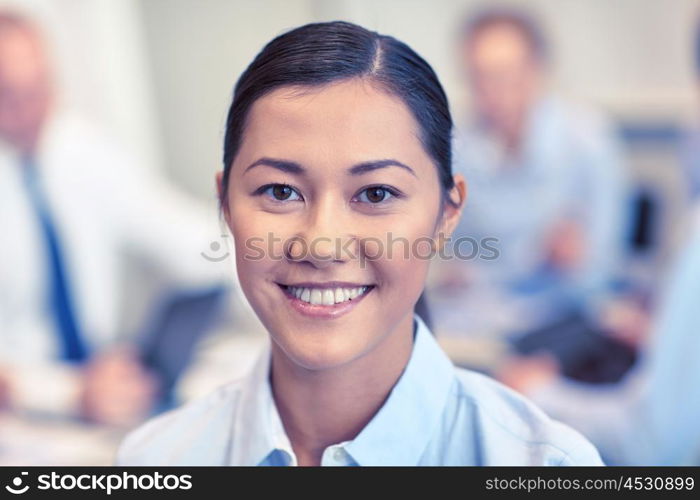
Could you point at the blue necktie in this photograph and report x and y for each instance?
(60, 303)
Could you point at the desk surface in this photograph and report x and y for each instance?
(33, 440)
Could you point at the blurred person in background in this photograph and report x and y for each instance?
(651, 417)
(546, 180)
(72, 203)
(690, 144)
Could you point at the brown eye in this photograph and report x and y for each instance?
(376, 194)
(281, 192)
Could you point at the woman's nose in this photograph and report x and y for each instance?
(325, 240)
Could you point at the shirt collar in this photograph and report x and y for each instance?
(258, 431)
(397, 435)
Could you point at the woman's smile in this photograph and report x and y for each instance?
(328, 300)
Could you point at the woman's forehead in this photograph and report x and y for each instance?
(349, 99)
(353, 120)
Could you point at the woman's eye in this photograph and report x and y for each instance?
(375, 194)
(281, 192)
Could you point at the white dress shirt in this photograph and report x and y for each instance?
(103, 206)
(436, 414)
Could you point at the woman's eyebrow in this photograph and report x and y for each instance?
(368, 166)
(361, 168)
(283, 165)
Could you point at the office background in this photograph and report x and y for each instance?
(157, 75)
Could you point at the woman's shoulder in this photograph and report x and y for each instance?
(193, 434)
(511, 429)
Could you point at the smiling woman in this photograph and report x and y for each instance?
(338, 140)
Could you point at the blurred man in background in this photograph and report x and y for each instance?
(71, 205)
(690, 144)
(651, 417)
(546, 179)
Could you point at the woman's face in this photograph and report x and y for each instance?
(325, 180)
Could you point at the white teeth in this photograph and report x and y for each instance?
(326, 296)
(316, 296)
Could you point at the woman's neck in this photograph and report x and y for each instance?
(320, 408)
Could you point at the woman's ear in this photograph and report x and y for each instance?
(453, 208)
(224, 204)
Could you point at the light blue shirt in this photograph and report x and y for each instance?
(569, 167)
(690, 162)
(653, 417)
(436, 414)
(673, 399)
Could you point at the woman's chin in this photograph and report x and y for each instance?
(320, 354)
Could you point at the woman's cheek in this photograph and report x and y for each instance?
(403, 269)
(411, 239)
(422, 249)
(260, 236)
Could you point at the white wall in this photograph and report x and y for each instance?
(197, 50)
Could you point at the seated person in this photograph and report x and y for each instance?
(547, 190)
(651, 417)
(72, 205)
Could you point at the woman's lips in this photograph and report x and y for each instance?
(323, 311)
